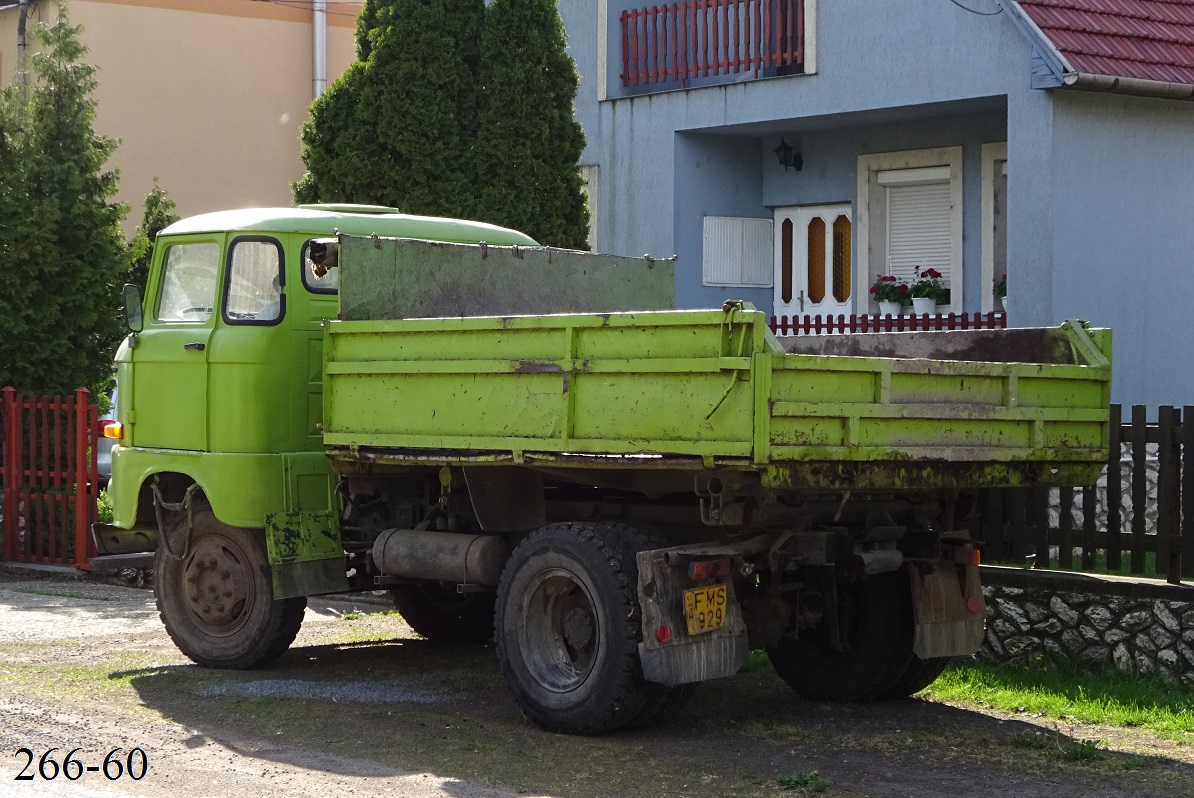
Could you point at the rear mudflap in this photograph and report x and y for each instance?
(948, 607)
(670, 655)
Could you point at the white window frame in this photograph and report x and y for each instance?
(872, 254)
(765, 263)
(590, 176)
(810, 37)
(602, 50)
(991, 155)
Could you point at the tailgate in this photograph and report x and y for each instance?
(1003, 407)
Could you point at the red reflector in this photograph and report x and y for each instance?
(664, 634)
(974, 604)
(966, 556)
(708, 569)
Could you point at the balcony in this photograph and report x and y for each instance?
(710, 42)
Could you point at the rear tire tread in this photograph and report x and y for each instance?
(622, 697)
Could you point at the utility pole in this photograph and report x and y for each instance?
(22, 17)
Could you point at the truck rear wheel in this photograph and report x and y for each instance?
(439, 613)
(662, 702)
(665, 703)
(919, 675)
(216, 599)
(568, 627)
(876, 624)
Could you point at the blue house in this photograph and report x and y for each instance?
(791, 151)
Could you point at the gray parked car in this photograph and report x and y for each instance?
(103, 449)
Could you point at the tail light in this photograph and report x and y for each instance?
(701, 570)
(112, 429)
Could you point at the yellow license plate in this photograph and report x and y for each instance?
(705, 609)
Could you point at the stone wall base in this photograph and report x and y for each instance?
(1135, 625)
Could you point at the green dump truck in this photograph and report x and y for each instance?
(532, 446)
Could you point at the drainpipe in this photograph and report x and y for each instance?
(319, 46)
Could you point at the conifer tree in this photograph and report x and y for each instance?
(157, 214)
(399, 127)
(529, 141)
(61, 246)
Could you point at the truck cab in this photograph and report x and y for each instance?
(222, 388)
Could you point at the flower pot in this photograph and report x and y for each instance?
(923, 304)
(1003, 303)
(889, 308)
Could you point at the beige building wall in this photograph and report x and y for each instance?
(206, 95)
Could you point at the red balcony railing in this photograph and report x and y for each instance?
(828, 325)
(675, 43)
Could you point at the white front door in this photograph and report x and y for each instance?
(814, 269)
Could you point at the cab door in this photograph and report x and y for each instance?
(169, 392)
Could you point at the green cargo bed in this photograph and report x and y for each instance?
(715, 389)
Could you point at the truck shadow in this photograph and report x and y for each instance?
(393, 707)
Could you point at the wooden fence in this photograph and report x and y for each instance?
(49, 483)
(1139, 520)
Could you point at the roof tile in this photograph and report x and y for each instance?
(1147, 39)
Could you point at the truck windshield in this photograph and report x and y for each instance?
(189, 282)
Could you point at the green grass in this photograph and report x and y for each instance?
(1125, 565)
(1054, 742)
(109, 678)
(808, 783)
(1061, 692)
(1100, 565)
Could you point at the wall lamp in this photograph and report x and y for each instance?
(788, 157)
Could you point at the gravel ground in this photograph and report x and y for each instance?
(39, 608)
(361, 706)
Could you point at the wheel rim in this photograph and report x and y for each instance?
(813, 646)
(560, 633)
(219, 585)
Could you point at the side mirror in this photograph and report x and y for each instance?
(324, 254)
(132, 308)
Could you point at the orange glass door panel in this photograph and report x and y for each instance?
(814, 268)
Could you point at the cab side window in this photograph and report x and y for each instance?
(189, 282)
(254, 284)
(326, 283)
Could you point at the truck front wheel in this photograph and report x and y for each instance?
(568, 627)
(439, 613)
(215, 597)
(875, 622)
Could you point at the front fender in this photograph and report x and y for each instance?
(241, 488)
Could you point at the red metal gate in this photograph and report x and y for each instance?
(49, 477)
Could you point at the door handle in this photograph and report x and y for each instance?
(198, 346)
(802, 301)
